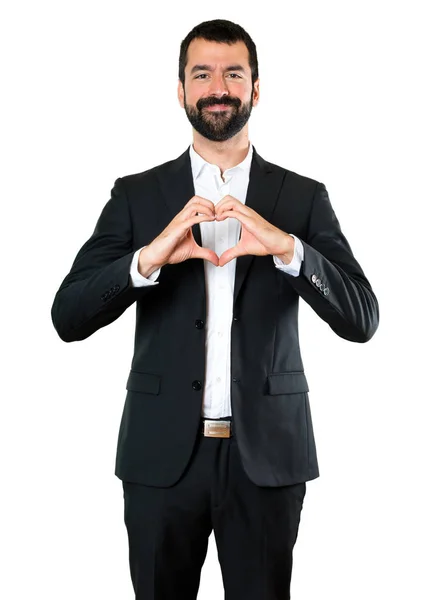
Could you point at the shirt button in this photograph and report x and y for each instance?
(218, 379)
(220, 334)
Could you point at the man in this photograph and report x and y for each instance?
(216, 247)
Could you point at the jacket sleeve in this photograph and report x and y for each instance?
(98, 288)
(331, 280)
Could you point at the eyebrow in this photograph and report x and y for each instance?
(209, 68)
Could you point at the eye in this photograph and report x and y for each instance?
(205, 75)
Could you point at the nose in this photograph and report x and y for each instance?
(218, 86)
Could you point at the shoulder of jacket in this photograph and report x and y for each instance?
(143, 176)
(294, 177)
(147, 176)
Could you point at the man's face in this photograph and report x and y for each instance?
(218, 95)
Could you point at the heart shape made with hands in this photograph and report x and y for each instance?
(258, 237)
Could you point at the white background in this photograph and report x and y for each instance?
(90, 95)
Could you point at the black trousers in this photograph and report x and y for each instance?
(255, 529)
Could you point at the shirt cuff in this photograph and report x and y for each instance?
(293, 267)
(137, 278)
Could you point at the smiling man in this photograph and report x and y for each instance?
(226, 80)
(215, 248)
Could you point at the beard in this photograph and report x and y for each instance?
(218, 126)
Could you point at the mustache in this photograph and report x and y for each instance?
(204, 102)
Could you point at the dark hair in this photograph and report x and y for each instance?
(221, 31)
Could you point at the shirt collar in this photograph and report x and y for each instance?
(198, 162)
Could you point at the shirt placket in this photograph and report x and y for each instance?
(222, 304)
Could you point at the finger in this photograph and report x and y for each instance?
(180, 227)
(225, 199)
(195, 219)
(234, 205)
(246, 220)
(229, 201)
(199, 207)
(195, 209)
(230, 254)
(200, 200)
(206, 254)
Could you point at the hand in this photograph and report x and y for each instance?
(176, 242)
(258, 236)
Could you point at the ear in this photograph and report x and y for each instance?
(255, 99)
(180, 94)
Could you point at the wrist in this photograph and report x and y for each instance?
(146, 265)
(287, 256)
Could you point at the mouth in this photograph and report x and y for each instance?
(218, 107)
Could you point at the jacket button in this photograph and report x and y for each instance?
(199, 324)
(235, 319)
(196, 385)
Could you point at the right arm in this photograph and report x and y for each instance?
(142, 274)
(99, 286)
(98, 289)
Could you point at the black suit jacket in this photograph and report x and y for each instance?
(269, 390)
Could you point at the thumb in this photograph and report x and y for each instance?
(206, 254)
(229, 255)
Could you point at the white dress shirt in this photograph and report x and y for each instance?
(219, 281)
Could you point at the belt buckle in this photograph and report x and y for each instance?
(217, 429)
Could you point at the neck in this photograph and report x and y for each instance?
(223, 154)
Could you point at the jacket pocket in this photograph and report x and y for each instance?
(291, 382)
(149, 383)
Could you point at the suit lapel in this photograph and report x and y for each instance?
(262, 195)
(176, 183)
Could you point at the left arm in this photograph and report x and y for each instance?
(291, 261)
(331, 280)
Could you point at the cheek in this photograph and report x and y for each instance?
(192, 97)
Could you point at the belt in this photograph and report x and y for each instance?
(217, 428)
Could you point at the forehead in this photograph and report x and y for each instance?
(216, 54)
